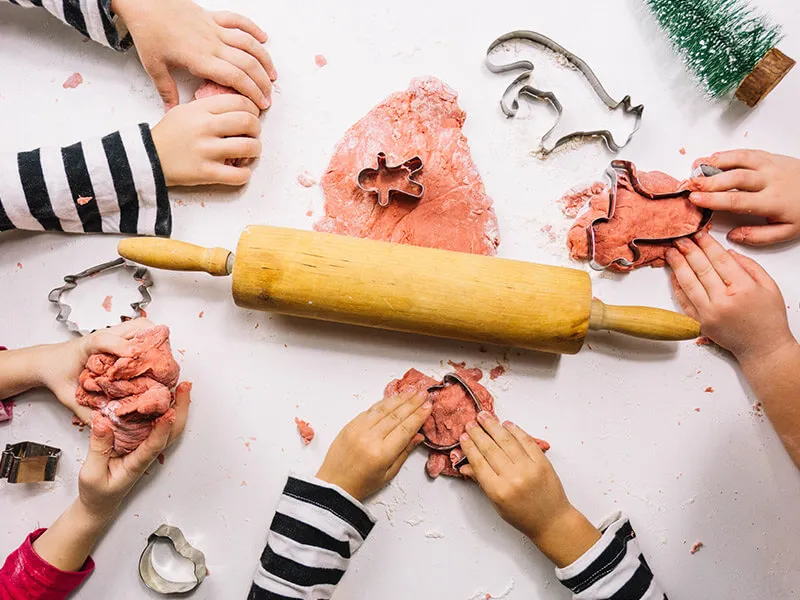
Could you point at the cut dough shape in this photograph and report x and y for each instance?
(131, 392)
(452, 410)
(634, 217)
(454, 213)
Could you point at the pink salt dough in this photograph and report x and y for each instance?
(305, 430)
(131, 392)
(452, 411)
(84, 200)
(454, 213)
(72, 81)
(695, 547)
(107, 303)
(320, 60)
(635, 217)
(572, 202)
(306, 180)
(209, 89)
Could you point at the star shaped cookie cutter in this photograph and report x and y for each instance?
(521, 86)
(625, 169)
(411, 168)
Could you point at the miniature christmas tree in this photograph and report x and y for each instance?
(726, 44)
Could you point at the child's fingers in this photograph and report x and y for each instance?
(236, 124)
(141, 458)
(415, 441)
(736, 179)
(687, 280)
(164, 82)
(497, 459)
(763, 235)
(400, 436)
(232, 20)
(101, 443)
(228, 74)
(183, 398)
(755, 270)
(105, 341)
(236, 147)
(229, 175)
(375, 413)
(250, 65)
(746, 203)
(229, 103)
(526, 441)
(507, 442)
(727, 268)
(478, 467)
(701, 265)
(733, 159)
(128, 328)
(392, 420)
(682, 298)
(249, 44)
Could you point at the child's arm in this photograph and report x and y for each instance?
(754, 183)
(740, 307)
(521, 483)
(222, 46)
(321, 522)
(52, 563)
(118, 184)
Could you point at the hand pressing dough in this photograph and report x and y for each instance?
(634, 217)
(454, 213)
(209, 89)
(131, 392)
(452, 410)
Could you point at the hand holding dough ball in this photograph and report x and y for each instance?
(195, 141)
(522, 485)
(224, 47)
(754, 183)
(371, 449)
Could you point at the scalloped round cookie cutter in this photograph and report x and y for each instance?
(154, 580)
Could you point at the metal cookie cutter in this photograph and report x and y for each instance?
(521, 86)
(28, 462)
(627, 170)
(447, 379)
(140, 274)
(154, 580)
(411, 168)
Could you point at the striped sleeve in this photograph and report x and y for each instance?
(317, 527)
(613, 569)
(109, 185)
(93, 18)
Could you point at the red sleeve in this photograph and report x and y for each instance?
(26, 576)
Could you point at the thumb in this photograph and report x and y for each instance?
(762, 235)
(101, 444)
(105, 341)
(165, 84)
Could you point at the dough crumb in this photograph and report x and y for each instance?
(72, 81)
(758, 411)
(434, 534)
(305, 430)
(709, 390)
(497, 372)
(697, 409)
(320, 60)
(574, 200)
(160, 458)
(414, 521)
(682, 151)
(695, 547)
(107, 303)
(84, 200)
(306, 180)
(19, 265)
(309, 213)
(200, 314)
(703, 341)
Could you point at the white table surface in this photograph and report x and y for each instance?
(620, 415)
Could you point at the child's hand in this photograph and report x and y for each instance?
(738, 304)
(104, 481)
(754, 183)
(523, 486)
(194, 140)
(60, 365)
(221, 46)
(369, 451)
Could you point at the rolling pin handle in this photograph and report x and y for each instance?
(643, 322)
(174, 255)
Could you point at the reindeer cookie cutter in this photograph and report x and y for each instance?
(522, 86)
(619, 169)
(410, 168)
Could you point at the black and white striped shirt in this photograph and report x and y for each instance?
(318, 527)
(112, 184)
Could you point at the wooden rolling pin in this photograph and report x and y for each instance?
(407, 288)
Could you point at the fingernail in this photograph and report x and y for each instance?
(483, 415)
(695, 197)
(428, 405)
(508, 424)
(464, 437)
(699, 234)
(737, 235)
(470, 425)
(266, 102)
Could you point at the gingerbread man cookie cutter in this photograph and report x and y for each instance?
(410, 168)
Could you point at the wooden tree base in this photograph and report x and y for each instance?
(768, 73)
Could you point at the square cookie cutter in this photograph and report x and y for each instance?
(624, 169)
(29, 462)
(140, 274)
(411, 168)
(522, 86)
